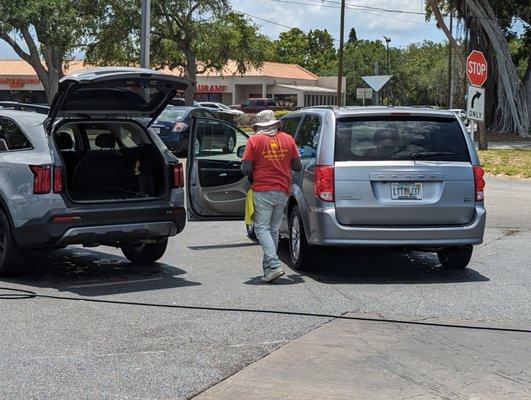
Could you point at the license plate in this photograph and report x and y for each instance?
(406, 191)
(156, 130)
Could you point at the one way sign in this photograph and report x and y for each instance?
(476, 103)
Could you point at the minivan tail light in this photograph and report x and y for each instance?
(57, 180)
(177, 175)
(42, 178)
(479, 182)
(324, 182)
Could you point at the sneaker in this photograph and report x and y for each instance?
(272, 274)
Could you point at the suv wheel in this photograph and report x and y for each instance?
(455, 257)
(8, 247)
(300, 253)
(230, 144)
(197, 146)
(145, 253)
(251, 234)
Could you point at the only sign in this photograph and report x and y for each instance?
(476, 68)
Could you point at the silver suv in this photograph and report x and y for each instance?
(91, 172)
(372, 176)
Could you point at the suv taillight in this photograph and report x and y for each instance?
(324, 182)
(179, 127)
(177, 175)
(42, 178)
(479, 182)
(57, 180)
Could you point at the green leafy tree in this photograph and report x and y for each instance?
(50, 31)
(352, 36)
(193, 36)
(292, 47)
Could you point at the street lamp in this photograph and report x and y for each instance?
(387, 41)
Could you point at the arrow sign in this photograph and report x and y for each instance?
(476, 96)
(376, 81)
(476, 103)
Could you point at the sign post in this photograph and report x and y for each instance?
(363, 94)
(477, 74)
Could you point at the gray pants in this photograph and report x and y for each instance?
(267, 217)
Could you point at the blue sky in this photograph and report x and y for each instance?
(313, 14)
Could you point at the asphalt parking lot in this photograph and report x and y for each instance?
(70, 349)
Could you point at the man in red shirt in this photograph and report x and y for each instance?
(270, 156)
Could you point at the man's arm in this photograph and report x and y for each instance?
(247, 168)
(296, 164)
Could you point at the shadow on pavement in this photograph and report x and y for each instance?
(283, 280)
(93, 273)
(381, 266)
(222, 246)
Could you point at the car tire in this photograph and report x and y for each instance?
(9, 251)
(455, 257)
(145, 253)
(230, 144)
(197, 146)
(251, 234)
(301, 254)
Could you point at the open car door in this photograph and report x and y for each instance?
(216, 187)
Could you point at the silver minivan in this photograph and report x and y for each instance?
(372, 176)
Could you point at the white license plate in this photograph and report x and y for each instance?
(406, 191)
(156, 130)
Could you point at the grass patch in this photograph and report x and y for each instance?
(509, 162)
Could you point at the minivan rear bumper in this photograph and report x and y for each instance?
(326, 231)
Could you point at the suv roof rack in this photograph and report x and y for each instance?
(331, 107)
(13, 105)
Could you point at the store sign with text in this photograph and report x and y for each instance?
(204, 88)
(18, 83)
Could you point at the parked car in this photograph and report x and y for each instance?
(394, 177)
(91, 172)
(255, 105)
(219, 107)
(173, 124)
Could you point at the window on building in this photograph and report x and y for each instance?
(13, 136)
(308, 137)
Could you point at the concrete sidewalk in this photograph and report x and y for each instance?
(520, 144)
(370, 360)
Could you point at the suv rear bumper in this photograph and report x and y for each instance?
(108, 226)
(327, 231)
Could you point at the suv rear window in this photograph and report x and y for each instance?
(400, 138)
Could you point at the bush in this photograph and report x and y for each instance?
(280, 113)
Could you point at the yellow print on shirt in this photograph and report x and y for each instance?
(274, 151)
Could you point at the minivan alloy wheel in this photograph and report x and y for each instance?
(197, 146)
(295, 239)
(230, 144)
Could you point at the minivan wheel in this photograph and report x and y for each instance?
(197, 146)
(455, 257)
(145, 253)
(9, 251)
(230, 144)
(251, 234)
(300, 252)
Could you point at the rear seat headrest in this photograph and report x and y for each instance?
(106, 141)
(64, 141)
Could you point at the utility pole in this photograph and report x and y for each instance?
(340, 61)
(375, 95)
(450, 72)
(145, 33)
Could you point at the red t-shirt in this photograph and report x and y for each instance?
(271, 157)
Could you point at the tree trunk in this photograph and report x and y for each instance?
(527, 84)
(511, 113)
(191, 72)
(482, 136)
(441, 25)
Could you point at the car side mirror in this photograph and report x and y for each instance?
(4, 147)
(240, 151)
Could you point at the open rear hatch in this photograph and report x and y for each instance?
(114, 92)
(409, 170)
(106, 155)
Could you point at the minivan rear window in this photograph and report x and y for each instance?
(400, 138)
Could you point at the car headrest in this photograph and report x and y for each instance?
(105, 141)
(64, 141)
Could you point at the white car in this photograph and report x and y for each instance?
(219, 107)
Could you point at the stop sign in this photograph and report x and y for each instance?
(476, 68)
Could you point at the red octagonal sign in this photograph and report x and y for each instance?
(476, 68)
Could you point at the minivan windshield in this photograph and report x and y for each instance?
(400, 138)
